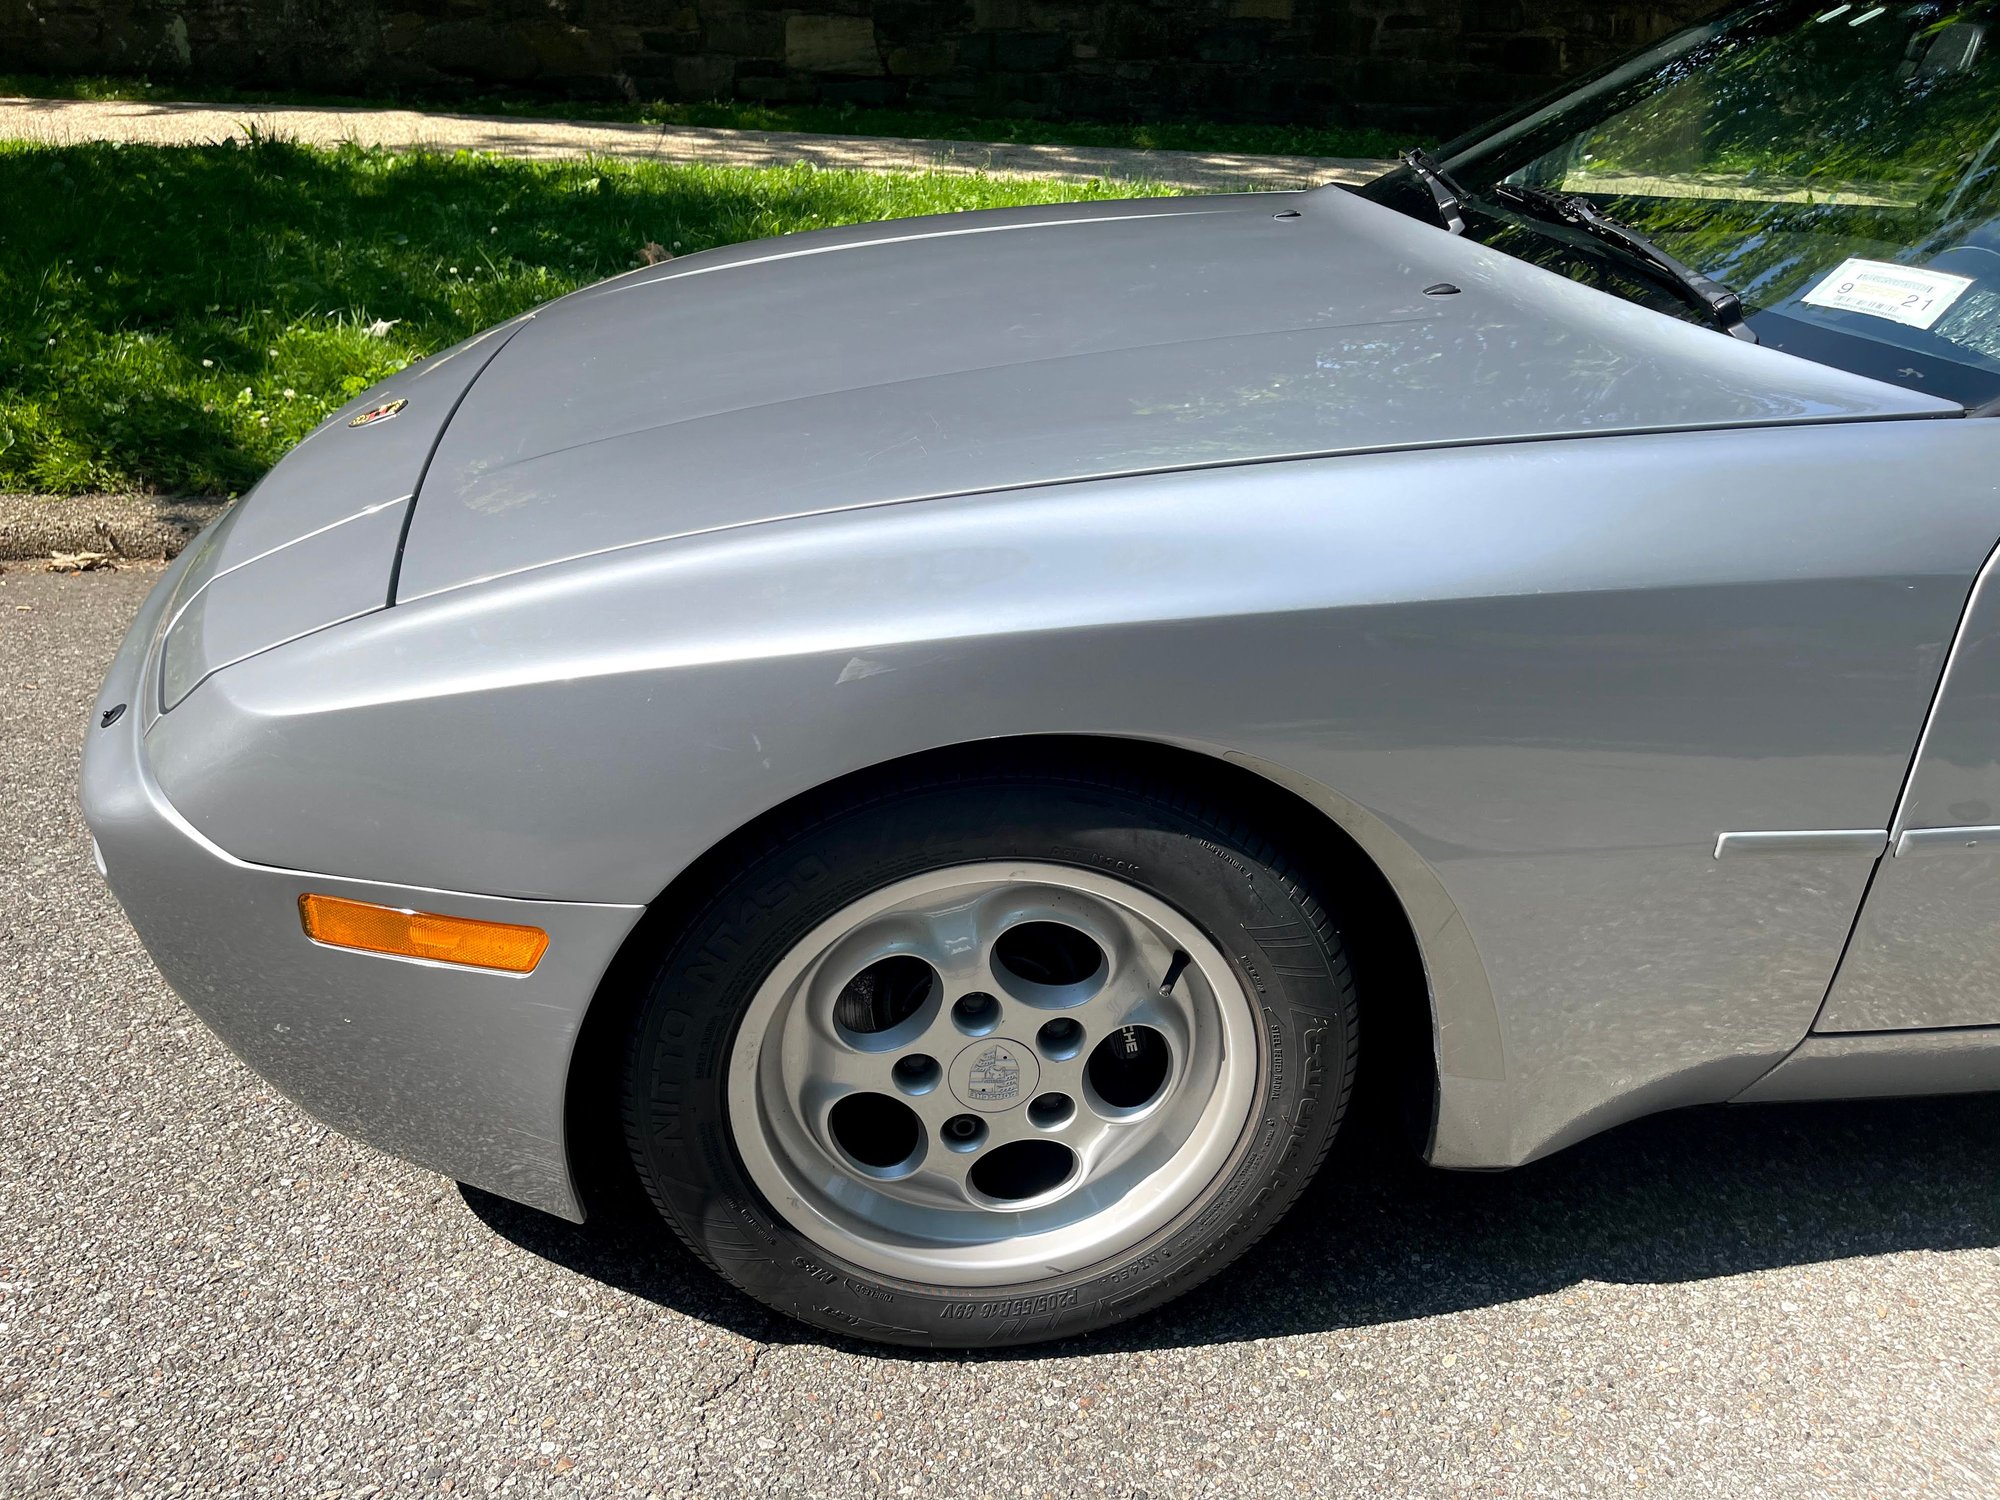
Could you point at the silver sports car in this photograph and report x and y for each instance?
(957, 744)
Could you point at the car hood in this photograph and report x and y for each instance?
(941, 356)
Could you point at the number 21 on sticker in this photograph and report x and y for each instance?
(1910, 295)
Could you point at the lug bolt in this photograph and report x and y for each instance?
(964, 1132)
(976, 1014)
(1048, 1111)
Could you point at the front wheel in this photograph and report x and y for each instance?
(991, 1058)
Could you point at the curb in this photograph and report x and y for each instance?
(138, 528)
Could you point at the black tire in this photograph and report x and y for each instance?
(1228, 877)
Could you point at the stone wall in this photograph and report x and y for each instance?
(1434, 64)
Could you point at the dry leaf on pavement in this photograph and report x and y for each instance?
(79, 562)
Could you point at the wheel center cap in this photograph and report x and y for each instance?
(994, 1074)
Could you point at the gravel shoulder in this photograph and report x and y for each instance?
(203, 1292)
(154, 123)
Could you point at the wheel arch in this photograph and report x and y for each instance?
(1428, 1008)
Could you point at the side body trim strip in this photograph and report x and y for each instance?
(1938, 840)
(1869, 841)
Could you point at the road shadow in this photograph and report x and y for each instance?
(1380, 1238)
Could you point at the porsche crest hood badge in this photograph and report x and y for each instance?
(380, 413)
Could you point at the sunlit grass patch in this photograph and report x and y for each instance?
(176, 317)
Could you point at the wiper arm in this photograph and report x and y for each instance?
(1721, 304)
(1444, 192)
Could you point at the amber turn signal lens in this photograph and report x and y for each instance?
(422, 934)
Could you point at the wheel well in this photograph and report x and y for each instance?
(1396, 1091)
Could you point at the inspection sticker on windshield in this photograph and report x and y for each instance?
(1903, 294)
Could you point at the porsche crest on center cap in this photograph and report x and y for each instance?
(994, 1074)
(380, 413)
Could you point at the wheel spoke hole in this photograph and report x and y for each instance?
(964, 1133)
(916, 1073)
(1128, 1069)
(976, 1014)
(1058, 963)
(1051, 1111)
(884, 995)
(1060, 1038)
(1021, 1170)
(881, 1135)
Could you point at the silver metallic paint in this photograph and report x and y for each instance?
(1926, 950)
(1883, 1065)
(1554, 716)
(1532, 675)
(274, 568)
(326, 576)
(458, 1069)
(977, 352)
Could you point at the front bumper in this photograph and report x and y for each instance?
(460, 1070)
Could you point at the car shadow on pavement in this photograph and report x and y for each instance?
(1380, 1238)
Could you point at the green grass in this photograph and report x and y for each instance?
(176, 317)
(825, 119)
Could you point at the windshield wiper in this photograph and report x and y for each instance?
(1721, 304)
(1444, 192)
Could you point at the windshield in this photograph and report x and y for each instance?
(1836, 165)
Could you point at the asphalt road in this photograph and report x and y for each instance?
(203, 1292)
